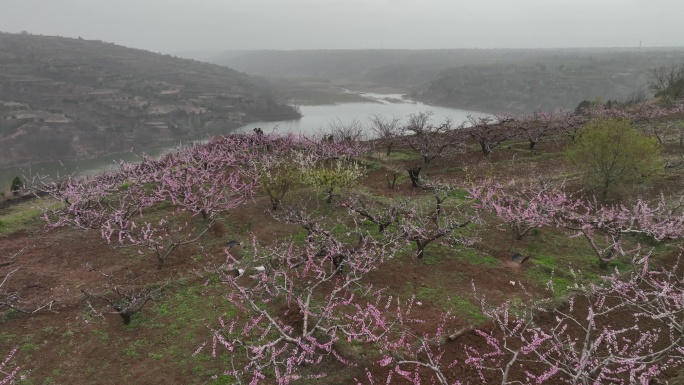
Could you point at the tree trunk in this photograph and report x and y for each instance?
(126, 318)
(389, 148)
(421, 249)
(393, 181)
(485, 148)
(517, 233)
(414, 174)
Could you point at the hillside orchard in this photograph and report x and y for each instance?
(322, 302)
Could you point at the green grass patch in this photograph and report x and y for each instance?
(8, 315)
(404, 155)
(450, 302)
(24, 216)
(461, 195)
(102, 335)
(474, 257)
(132, 349)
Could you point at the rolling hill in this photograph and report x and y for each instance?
(63, 98)
(490, 80)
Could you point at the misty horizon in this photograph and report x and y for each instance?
(212, 25)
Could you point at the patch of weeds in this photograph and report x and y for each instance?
(339, 230)
(24, 380)
(27, 338)
(131, 350)
(473, 257)
(404, 155)
(459, 194)
(368, 225)
(545, 260)
(462, 306)
(427, 293)
(190, 336)
(8, 315)
(450, 170)
(28, 347)
(299, 238)
(546, 271)
(248, 227)
(619, 263)
(6, 337)
(223, 380)
(155, 356)
(533, 248)
(24, 215)
(432, 259)
(162, 309)
(560, 286)
(153, 325)
(456, 304)
(102, 335)
(371, 165)
(175, 351)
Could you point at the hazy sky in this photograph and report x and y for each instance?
(200, 25)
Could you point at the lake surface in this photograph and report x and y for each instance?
(315, 120)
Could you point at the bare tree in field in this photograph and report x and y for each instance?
(430, 141)
(385, 128)
(667, 80)
(12, 299)
(124, 301)
(346, 132)
(490, 132)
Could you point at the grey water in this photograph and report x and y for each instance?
(314, 120)
(317, 119)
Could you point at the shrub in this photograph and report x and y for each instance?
(329, 179)
(278, 181)
(610, 153)
(17, 185)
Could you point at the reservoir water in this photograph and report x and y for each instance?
(314, 120)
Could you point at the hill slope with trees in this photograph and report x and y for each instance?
(491, 80)
(63, 98)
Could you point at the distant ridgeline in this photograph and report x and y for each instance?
(63, 98)
(489, 80)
